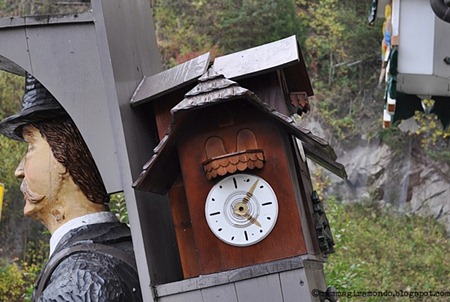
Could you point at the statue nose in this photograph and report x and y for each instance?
(19, 170)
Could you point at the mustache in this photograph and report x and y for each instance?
(30, 195)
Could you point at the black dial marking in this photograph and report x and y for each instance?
(215, 213)
(235, 183)
(246, 236)
(267, 203)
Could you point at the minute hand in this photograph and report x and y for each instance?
(249, 194)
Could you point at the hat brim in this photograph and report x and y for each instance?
(11, 126)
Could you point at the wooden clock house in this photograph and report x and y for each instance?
(235, 172)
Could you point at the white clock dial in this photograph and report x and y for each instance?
(241, 209)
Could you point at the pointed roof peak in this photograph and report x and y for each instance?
(212, 88)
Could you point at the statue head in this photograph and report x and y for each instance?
(60, 178)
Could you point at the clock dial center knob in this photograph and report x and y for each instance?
(241, 209)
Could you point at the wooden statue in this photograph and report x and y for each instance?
(91, 253)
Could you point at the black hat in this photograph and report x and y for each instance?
(38, 104)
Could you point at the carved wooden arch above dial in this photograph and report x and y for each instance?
(220, 162)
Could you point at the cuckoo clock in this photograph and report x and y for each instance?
(238, 184)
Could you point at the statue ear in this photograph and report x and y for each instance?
(59, 167)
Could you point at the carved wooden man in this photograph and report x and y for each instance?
(91, 253)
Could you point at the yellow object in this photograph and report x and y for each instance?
(2, 189)
(387, 11)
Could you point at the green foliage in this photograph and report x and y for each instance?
(246, 23)
(433, 138)
(378, 249)
(338, 34)
(320, 180)
(35, 258)
(12, 281)
(182, 31)
(440, 155)
(11, 90)
(11, 152)
(342, 62)
(118, 206)
(395, 139)
(17, 280)
(341, 124)
(186, 29)
(32, 7)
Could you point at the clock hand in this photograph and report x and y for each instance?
(241, 207)
(242, 210)
(249, 194)
(252, 219)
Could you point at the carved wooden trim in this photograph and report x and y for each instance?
(300, 101)
(233, 162)
(219, 162)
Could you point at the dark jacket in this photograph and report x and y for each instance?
(91, 263)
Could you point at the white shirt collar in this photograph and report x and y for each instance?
(100, 217)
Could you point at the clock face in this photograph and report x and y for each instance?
(241, 209)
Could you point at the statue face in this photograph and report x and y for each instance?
(41, 174)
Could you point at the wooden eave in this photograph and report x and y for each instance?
(163, 167)
(170, 80)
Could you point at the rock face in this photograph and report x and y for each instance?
(405, 177)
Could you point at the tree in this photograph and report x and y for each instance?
(180, 31)
(31, 7)
(249, 23)
(11, 152)
(339, 36)
(186, 29)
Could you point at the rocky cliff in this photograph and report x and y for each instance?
(399, 174)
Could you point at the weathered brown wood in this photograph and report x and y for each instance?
(305, 203)
(286, 239)
(162, 108)
(221, 128)
(183, 229)
(214, 89)
(220, 162)
(269, 88)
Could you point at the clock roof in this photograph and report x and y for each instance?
(283, 55)
(214, 89)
